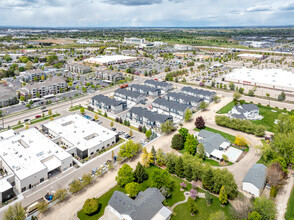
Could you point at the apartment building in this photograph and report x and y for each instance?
(77, 68)
(134, 40)
(52, 85)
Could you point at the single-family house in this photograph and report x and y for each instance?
(146, 206)
(255, 180)
(214, 144)
(245, 111)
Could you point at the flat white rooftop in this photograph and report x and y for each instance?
(250, 55)
(26, 152)
(110, 58)
(79, 131)
(276, 77)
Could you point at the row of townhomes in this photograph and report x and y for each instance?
(163, 86)
(108, 104)
(52, 85)
(184, 99)
(207, 96)
(30, 157)
(110, 75)
(167, 107)
(152, 92)
(142, 116)
(130, 97)
(77, 68)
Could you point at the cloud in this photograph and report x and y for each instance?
(259, 8)
(288, 7)
(133, 2)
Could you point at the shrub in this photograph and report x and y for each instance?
(91, 206)
(208, 198)
(200, 123)
(273, 192)
(193, 193)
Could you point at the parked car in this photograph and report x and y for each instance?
(26, 120)
(43, 107)
(113, 129)
(127, 136)
(38, 116)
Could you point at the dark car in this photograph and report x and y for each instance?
(127, 136)
(26, 120)
(113, 129)
(43, 107)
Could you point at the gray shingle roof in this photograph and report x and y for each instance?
(157, 83)
(107, 101)
(211, 141)
(256, 175)
(151, 116)
(144, 88)
(171, 104)
(197, 91)
(187, 98)
(128, 93)
(144, 207)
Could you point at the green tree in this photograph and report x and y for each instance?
(218, 215)
(111, 124)
(60, 195)
(200, 151)
(251, 92)
(177, 142)
(144, 129)
(254, 216)
(237, 96)
(282, 96)
(147, 157)
(188, 173)
(187, 115)
(43, 206)
(82, 110)
(29, 65)
(22, 98)
(124, 175)
(15, 212)
(75, 186)
(232, 86)
(132, 189)
(49, 111)
(192, 206)
(265, 207)
(140, 173)
(207, 179)
(203, 105)
(87, 179)
(191, 144)
(179, 168)
(153, 152)
(223, 197)
(160, 158)
(129, 149)
(166, 127)
(161, 178)
(148, 134)
(285, 124)
(90, 206)
(184, 133)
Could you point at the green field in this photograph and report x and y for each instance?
(269, 115)
(290, 210)
(177, 195)
(181, 212)
(226, 108)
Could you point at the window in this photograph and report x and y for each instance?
(42, 180)
(23, 189)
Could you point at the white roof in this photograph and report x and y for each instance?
(276, 77)
(24, 152)
(110, 58)
(79, 131)
(7, 134)
(250, 55)
(4, 185)
(163, 214)
(217, 153)
(225, 145)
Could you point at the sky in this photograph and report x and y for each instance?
(145, 13)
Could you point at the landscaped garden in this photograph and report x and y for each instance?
(290, 210)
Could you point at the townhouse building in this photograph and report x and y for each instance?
(207, 96)
(108, 104)
(164, 86)
(146, 90)
(109, 75)
(130, 97)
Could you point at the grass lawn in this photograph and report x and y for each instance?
(177, 195)
(269, 115)
(181, 212)
(226, 108)
(290, 210)
(229, 137)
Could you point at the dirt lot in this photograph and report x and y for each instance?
(57, 41)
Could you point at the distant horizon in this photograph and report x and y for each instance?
(148, 27)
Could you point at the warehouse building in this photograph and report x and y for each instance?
(80, 136)
(27, 159)
(268, 78)
(110, 60)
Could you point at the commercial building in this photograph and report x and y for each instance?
(80, 136)
(29, 158)
(182, 47)
(251, 56)
(268, 78)
(52, 85)
(133, 40)
(255, 179)
(110, 60)
(148, 118)
(108, 104)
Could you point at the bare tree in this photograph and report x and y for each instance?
(240, 208)
(275, 174)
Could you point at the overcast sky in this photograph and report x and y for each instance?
(136, 13)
